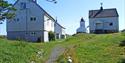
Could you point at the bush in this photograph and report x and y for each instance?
(122, 61)
(123, 30)
(51, 36)
(2, 36)
(123, 33)
(122, 43)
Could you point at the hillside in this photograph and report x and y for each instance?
(83, 48)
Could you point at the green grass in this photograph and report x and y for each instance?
(90, 48)
(83, 48)
(23, 52)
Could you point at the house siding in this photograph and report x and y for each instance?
(32, 36)
(105, 24)
(48, 24)
(59, 32)
(23, 27)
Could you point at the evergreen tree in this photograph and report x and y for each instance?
(5, 7)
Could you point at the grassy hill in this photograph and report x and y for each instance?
(83, 48)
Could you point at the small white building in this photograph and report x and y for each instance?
(103, 21)
(32, 23)
(82, 28)
(59, 31)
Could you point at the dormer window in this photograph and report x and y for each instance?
(22, 5)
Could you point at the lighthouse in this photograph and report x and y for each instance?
(82, 28)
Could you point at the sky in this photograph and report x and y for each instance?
(69, 12)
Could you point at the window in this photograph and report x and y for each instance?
(23, 5)
(17, 19)
(33, 18)
(33, 33)
(14, 19)
(111, 24)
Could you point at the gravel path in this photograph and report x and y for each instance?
(56, 52)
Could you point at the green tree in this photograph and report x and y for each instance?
(51, 36)
(5, 7)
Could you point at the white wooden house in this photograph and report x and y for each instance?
(104, 20)
(31, 22)
(59, 31)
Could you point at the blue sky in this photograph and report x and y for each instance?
(69, 12)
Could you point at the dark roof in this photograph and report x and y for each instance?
(82, 20)
(59, 24)
(102, 13)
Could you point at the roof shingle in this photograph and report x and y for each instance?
(103, 13)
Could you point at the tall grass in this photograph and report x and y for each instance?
(83, 48)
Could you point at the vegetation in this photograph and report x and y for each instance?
(4, 8)
(23, 52)
(87, 48)
(83, 48)
(51, 36)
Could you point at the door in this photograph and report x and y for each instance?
(99, 26)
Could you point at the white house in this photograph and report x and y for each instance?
(59, 31)
(82, 28)
(31, 22)
(103, 20)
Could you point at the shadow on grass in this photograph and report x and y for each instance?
(122, 43)
(122, 61)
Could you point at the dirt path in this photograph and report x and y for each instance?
(55, 53)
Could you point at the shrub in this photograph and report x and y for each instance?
(2, 36)
(123, 30)
(51, 36)
(123, 33)
(122, 43)
(122, 61)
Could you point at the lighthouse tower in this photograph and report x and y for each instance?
(82, 28)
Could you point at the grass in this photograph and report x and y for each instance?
(90, 48)
(23, 52)
(83, 48)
